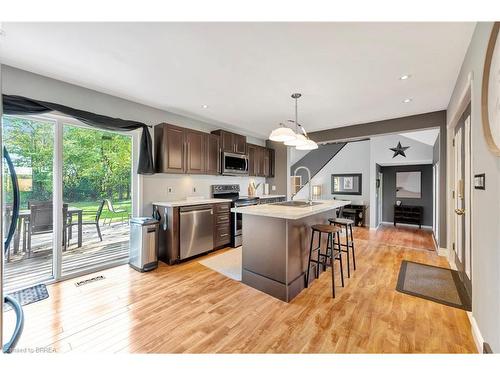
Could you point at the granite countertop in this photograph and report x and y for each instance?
(190, 202)
(291, 213)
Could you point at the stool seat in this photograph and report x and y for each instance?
(341, 220)
(325, 228)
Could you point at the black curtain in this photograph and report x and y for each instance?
(19, 105)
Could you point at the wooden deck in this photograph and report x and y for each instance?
(22, 271)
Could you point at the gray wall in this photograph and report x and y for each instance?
(280, 179)
(389, 191)
(399, 125)
(485, 203)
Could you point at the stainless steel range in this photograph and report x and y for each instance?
(233, 192)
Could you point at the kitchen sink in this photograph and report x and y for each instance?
(296, 204)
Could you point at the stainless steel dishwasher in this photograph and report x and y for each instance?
(196, 230)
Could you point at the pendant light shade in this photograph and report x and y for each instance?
(299, 140)
(282, 134)
(308, 145)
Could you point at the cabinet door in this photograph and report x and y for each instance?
(174, 143)
(240, 144)
(271, 162)
(212, 154)
(227, 141)
(195, 152)
(265, 162)
(251, 159)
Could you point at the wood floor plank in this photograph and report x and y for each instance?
(188, 308)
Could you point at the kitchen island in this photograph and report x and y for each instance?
(276, 240)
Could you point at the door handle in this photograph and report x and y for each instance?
(459, 211)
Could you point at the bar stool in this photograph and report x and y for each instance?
(349, 240)
(333, 252)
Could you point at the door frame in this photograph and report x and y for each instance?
(59, 121)
(462, 104)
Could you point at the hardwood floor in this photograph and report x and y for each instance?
(190, 308)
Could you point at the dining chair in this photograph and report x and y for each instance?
(97, 217)
(114, 210)
(41, 221)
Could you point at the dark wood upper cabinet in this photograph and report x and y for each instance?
(181, 150)
(252, 150)
(240, 144)
(260, 161)
(212, 154)
(266, 162)
(170, 148)
(272, 160)
(231, 142)
(195, 151)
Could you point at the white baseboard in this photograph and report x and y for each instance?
(476, 333)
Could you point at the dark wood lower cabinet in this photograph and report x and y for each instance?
(222, 225)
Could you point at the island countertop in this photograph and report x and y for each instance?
(288, 212)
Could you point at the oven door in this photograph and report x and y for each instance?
(234, 164)
(237, 225)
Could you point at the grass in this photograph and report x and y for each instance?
(106, 214)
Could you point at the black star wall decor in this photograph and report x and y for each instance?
(399, 150)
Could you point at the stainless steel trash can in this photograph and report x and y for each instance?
(143, 254)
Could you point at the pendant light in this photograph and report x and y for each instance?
(282, 134)
(299, 138)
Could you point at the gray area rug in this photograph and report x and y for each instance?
(441, 285)
(29, 295)
(228, 263)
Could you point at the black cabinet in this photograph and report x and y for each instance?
(408, 215)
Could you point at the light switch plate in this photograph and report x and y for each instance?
(273, 188)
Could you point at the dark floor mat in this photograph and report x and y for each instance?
(29, 295)
(441, 285)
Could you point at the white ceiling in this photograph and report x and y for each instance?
(245, 72)
(427, 136)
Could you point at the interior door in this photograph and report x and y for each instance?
(462, 199)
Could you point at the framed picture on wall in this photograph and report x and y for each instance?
(347, 184)
(409, 184)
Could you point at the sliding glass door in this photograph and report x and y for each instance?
(29, 142)
(97, 196)
(76, 197)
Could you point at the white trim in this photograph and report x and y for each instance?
(57, 200)
(476, 332)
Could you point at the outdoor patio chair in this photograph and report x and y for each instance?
(95, 222)
(113, 210)
(41, 221)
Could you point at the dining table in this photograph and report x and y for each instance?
(23, 222)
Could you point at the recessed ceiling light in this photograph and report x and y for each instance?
(407, 100)
(403, 77)
(204, 106)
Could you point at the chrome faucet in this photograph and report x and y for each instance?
(310, 183)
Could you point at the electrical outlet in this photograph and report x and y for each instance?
(170, 189)
(273, 188)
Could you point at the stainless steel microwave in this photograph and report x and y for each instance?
(234, 164)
